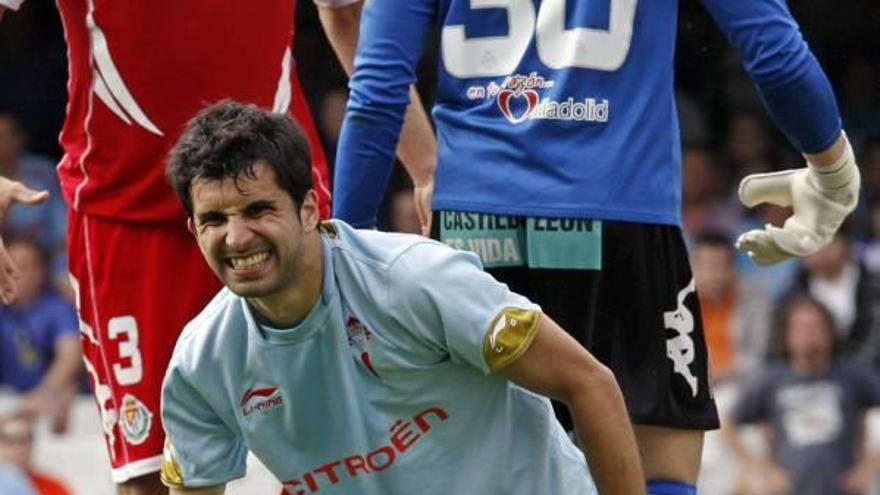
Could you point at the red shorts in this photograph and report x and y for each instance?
(137, 286)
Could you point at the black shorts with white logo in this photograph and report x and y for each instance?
(636, 311)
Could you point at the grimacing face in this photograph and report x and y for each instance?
(251, 232)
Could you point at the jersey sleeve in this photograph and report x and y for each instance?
(790, 81)
(391, 37)
(200, 449)
(445, 298)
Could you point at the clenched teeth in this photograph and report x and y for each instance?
(249, 262)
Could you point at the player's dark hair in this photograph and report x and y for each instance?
(789, 305)
(226, 140)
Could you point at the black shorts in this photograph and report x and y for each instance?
(637, 312)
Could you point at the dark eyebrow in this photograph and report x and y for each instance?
(260, 205)
(209, 216)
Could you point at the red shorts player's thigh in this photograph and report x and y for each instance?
(137, 287)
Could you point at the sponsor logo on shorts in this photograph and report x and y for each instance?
(680, 348)
(403, 435)
(260, 399)
(135, 420)
(519, 99)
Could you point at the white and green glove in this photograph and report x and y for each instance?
(821, 198)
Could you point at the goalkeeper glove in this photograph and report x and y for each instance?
(821, 198)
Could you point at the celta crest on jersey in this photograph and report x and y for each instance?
(519, 99)
(358, 338)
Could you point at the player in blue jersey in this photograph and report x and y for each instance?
(559, 163)
(363, 362)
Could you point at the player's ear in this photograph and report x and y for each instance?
(190, 225)
(309, 216)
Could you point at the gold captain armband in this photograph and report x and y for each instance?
(509, 336)
(171, 475)
(327, 227)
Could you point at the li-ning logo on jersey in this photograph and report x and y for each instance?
(680, 348)
(518, 99)
(260, 399)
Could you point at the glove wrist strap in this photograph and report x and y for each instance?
(837, 175)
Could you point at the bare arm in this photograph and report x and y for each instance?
(210, 490)
(557, 366)
(828, 156)
(58, 387)
(12, 192)
(857, 479)
(418, 146)
(774, 480)
(66, 367)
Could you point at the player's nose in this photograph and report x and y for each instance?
(238, 233)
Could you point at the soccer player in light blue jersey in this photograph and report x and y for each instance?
(559, 164)
(358, 362)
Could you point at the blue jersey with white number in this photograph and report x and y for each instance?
(558, 108)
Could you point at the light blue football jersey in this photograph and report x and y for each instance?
(558, 108)
(387, 386)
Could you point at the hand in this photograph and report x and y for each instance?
(52, 402)
(821, 198)
(764, 478)
(857, 480)
(423, 194)
(12, 192)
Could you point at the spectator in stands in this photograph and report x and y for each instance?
(47, 222)
(814, 407)
(736, 313)
(708, 202)
(850, 292)
(16, 447)
(39, 339)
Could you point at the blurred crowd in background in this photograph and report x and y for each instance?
(794, 347)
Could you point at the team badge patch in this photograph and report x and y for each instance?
(509, 336)
(135, 420)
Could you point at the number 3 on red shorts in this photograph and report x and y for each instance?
(125, 329)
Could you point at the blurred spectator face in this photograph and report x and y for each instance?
(869, 163)
(404, 217)
(32, 267)
(11, 140)
(16, 440)
(748, 144)
(701, 179)
(829, 261)
(713, 270)
(333, 113)
(808, 336)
